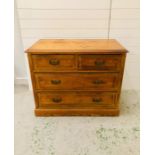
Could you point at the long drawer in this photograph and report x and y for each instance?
(74, 81)
(80, 99)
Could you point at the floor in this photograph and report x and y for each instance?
(76, 135)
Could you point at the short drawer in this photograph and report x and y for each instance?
(76, 99)
(100, 62)
(80, 81)
(53, 62)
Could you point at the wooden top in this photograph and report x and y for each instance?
(76, 45)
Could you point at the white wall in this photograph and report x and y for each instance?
(117, 19)
(19, 66)
(125, 28)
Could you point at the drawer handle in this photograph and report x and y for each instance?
(57, 100)
(99, 63)
(54, 62)
(97, 100)
(98, 82)
(55, 81)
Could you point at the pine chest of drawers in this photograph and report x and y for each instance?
(76, 77)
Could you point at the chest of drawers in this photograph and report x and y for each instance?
(76, 77)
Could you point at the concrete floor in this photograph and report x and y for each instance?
(76, 135)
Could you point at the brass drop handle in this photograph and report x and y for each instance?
(98, 82)
(54, 62)
(99, 63)
(57, 100)
(55, 81)
(97, 100)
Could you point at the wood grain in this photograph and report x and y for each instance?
(100, 62)
(74, 81)
(53, 62)
(79, 99)
(76, 45)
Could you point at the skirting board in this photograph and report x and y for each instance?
(22, 81)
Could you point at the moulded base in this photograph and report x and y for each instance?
(77, 112)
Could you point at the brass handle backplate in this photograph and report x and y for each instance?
(98, 82)
(57, 100)
(54, 62)
(55, 81)
(97, 100)
(99, 63)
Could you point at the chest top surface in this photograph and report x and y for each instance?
(76, 46)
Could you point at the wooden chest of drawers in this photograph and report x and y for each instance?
(76, 77)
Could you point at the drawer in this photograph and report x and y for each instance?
(80, 81)
(76, 99)
(53, 62)
(100, 62)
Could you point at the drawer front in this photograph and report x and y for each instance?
(100, 62)
(53, 62)
(80, 81)
(76, 99)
